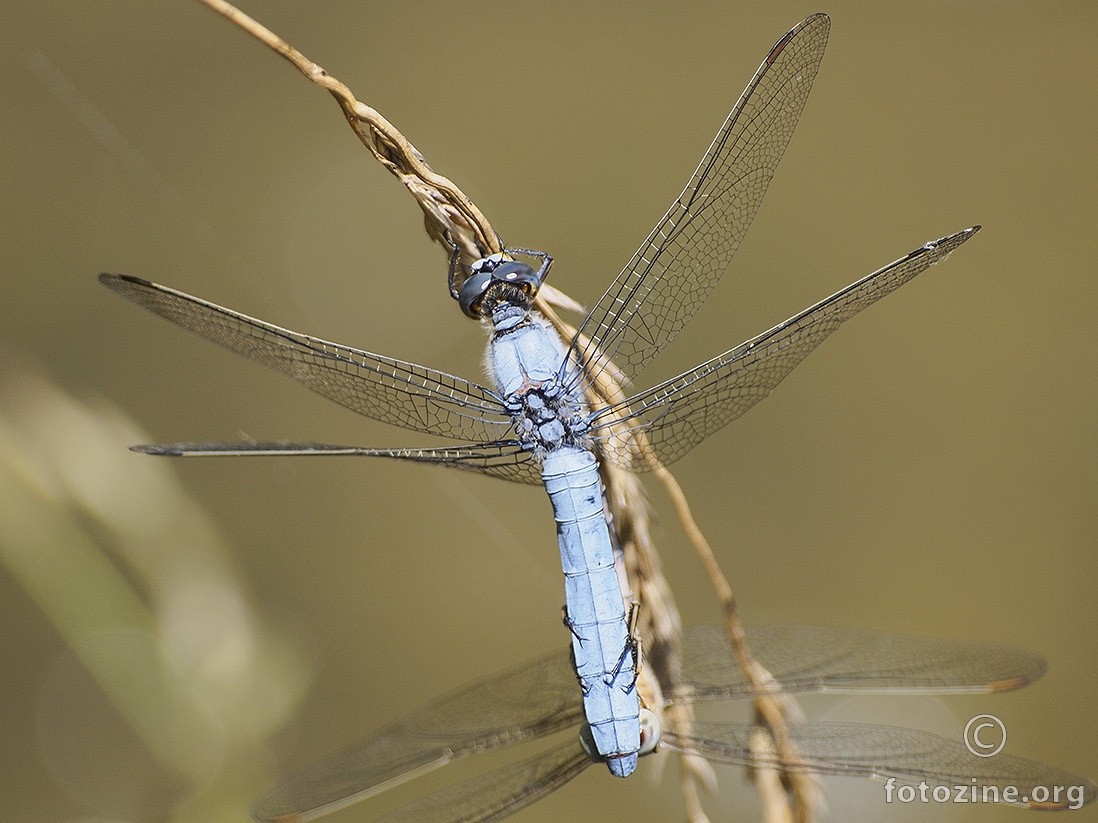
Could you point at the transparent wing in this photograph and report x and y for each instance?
(505, 460)
(881, 752)
(830, 659)
(537, 698)
(542, 697)
(498, 793)
(674, 271)
(681, 412)
(382, 388)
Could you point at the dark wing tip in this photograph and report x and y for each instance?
(783, 41)
(163, 451)
(109, 280)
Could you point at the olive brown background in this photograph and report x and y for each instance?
(932, 469)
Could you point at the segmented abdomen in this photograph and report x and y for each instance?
(596, 612)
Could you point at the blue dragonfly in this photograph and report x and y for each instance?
(539, 699)
(535, 424)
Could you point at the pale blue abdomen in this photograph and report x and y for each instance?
(596, 613)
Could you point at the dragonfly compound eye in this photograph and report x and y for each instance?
(508, 282)
(472, 293)
(520, 278)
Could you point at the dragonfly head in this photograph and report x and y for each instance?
(495, 283)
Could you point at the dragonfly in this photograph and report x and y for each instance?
(535, 424)
(538, 699)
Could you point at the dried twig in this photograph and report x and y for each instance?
(454, 221)
(450, 217)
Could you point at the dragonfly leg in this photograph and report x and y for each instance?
(632, 645)
(567, 621)
(451, 274)
(585, 685)
(546, 260)
(635, 639)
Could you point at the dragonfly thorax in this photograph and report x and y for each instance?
(529, 364)
(547, 417)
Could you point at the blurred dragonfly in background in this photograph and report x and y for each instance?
(536, 424)
(539, 699)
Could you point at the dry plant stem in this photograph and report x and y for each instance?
(772, 708)
(450, 217)
(452, 220)
(732, 626)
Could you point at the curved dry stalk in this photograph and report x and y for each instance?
(451, 218)
(773, 708)
(454, 221)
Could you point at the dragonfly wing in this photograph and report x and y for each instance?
(535, 699)
(910, 756)
(498, 793)
(674, 271)
(382, 388)
(505, 460)
(681, 412)
(834, 659)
